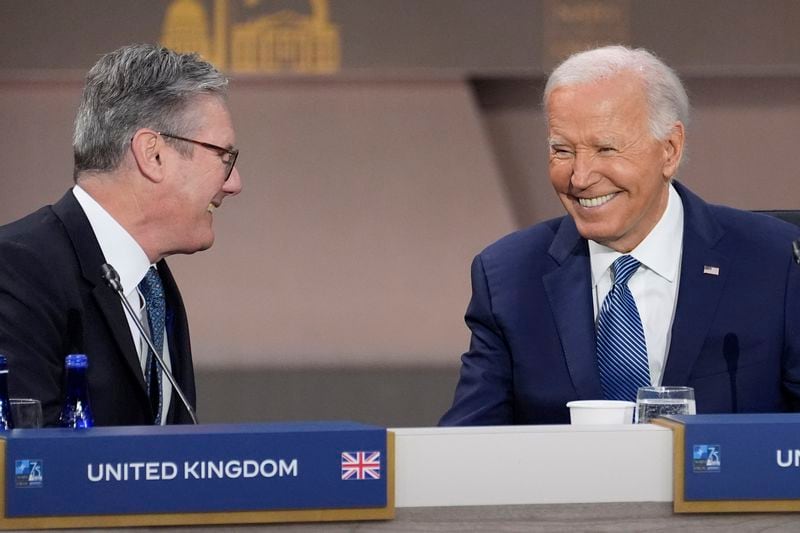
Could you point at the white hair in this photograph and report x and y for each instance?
(666, 97)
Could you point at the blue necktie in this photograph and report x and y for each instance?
(621, 348)
(153, 293)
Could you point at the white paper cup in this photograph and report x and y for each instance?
(598, 412)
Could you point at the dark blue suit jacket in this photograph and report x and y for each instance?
(735, 336)
(53, 302)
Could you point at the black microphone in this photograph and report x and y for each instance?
(730, 351)
(111, 278)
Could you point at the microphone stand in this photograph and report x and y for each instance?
(111, 277)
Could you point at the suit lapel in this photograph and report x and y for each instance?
(91, 258)
(702, 278)
(112, 310)
(569, 292)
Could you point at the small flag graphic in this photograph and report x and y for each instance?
(711, 270)
(361, 465)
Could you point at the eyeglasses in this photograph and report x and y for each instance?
(229, 163)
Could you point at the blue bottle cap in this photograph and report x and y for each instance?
(77, 360)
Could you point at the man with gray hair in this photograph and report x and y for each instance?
(154, 158)
(642, 283)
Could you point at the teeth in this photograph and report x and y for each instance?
(597, 201)
(211, 208)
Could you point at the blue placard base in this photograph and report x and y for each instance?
(206, 474)
(735, 463)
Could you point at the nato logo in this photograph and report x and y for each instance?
(706, 458)
(28, 473)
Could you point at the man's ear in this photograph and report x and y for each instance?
(148, 147)
(673, 149)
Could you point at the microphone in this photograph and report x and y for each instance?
(730, 351)
(796, 250)
(111, 277)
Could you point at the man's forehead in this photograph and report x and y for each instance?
(603, 111)
(211, 114)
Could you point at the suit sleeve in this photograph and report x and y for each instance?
(791, 356)
(32, 326)
(484, 392)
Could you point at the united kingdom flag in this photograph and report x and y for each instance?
(361, 465)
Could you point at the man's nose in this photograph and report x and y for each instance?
(583, 174)
(234, 184)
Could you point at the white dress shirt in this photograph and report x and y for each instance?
(122, 252)
(654, 285)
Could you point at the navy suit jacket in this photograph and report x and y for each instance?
(735, 335)
(53, 302)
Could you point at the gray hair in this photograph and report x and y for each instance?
(666, 97)
(134, 87)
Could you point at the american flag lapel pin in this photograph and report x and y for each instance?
(711, 270)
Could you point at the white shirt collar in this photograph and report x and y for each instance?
(660, 251)
(119, 248)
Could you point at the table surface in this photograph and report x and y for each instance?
(654, 517)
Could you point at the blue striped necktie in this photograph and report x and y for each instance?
(621, 348)
(153, 293)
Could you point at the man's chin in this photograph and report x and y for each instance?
(197, 246)
(615, 242)
(206, 245)
(593, 233)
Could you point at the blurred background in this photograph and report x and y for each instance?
(383, 144)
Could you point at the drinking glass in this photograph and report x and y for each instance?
(652, 402)
(26, 413)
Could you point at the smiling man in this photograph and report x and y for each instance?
(154, 159)
(643, 283)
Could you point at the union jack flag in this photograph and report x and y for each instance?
(361, 465)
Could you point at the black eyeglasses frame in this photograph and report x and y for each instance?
(234, 153)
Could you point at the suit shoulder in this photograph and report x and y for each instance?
(755, 229)
(29, 226)
(39, 236)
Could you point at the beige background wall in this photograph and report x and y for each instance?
(341, 273)
(364, 204)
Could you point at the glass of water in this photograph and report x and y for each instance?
(652, 402)
(26, 413)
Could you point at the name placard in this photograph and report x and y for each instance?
(736, 462)
(195, 469)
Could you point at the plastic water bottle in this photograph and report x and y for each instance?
(5, 406)
(77, 411)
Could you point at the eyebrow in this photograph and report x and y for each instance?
(605, 141)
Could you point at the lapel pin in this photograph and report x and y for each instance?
(711, 270)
